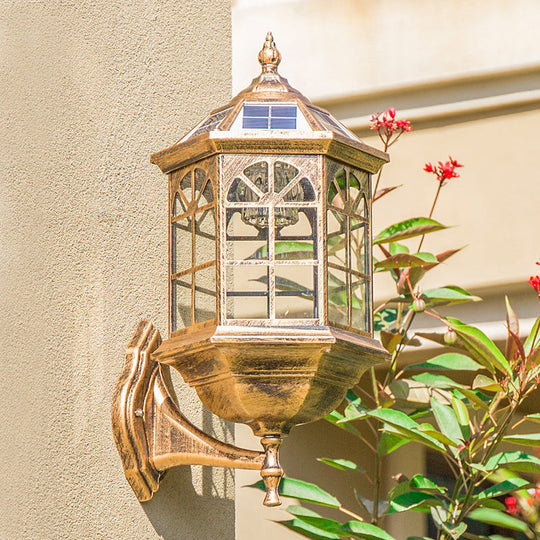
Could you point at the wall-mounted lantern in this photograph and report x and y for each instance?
(270, 296)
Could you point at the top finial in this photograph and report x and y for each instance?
(269, 57)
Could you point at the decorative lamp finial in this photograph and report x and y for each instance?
(269, 57)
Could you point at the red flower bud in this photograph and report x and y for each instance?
(392, 112)
(534, 282)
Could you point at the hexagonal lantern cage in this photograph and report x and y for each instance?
(270, 285)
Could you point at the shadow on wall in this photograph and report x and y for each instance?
(172, 508)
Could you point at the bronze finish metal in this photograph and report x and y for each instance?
(272, 373)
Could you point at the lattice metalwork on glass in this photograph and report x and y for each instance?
(193, 247)
(348, 248)
(271, 240)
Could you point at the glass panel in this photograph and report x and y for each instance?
(245, 241)
(294, 292)
(337, 296)
(207, 195)
(337, 190)
(283, 123)
(358, 289)
(209, 124)
(247, 292)
(205, 294)
(199, 182)
(295, 241)
(283, 175)
(179, 206)
(241, 192)
(181, 303)
(357, 248)
(357, 198)
(205, 237)
(303, 191)
(185, 186)
(256, 110)
(337, 237)
(254, 123)
(258, 174)
(181, 245)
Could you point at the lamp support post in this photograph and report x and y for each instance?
(152, 434)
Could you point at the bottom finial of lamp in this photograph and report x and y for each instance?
(271, 471)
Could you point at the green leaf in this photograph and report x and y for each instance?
(388, 442)
(297, 510)
(308, 531)
(533, 339)
(480, 346)
(534, 417)
(437, 381)
(474, 397)
(303, 491)
(462, 415)
(497, 518)
(421, 483)
(407, 229)
(515, 461)
(449, 295)
(449, 361)
(527, 439)
(485, 383)
(405, 426)
(286, 251)
(396, 248)
(322, 523)
(341, 464)
(507, 486)
(432, 432)
(336, 418)
(447, 420)
(413, 500)
(404, 260)
(358, 529)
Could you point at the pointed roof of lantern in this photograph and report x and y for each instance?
(269, 109)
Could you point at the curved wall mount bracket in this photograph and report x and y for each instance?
(152, 435)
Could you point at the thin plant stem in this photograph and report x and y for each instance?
(350, 513)
(431, 212)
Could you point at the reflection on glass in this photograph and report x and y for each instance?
(244, 241)
(181, 245)
(247, 292)
(294, 292)
(205, 237)
(357, 252)
(296, 241)
(338, 308)
(205, 294)
(337, 238)
(181, 302)
(358, 304)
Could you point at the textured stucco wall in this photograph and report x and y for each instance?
(89, 88)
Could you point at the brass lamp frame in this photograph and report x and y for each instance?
(268, 376)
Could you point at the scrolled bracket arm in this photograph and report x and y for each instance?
(152, 435)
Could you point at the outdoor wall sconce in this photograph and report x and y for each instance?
(270, 296)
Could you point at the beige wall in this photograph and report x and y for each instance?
(88, 90)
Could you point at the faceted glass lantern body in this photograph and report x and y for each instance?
(270, 257)
(287, 237)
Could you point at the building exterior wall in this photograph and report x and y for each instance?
(467, 76)
(89, 89)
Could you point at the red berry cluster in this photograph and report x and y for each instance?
(387, 125)
(444, 171)
(534, 281)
